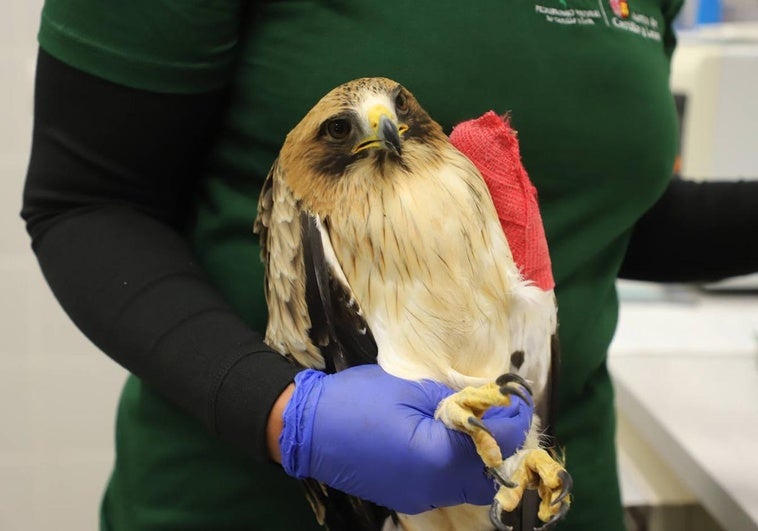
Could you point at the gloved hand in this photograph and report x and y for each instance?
(373, 435)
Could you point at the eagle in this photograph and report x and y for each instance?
(381, 244)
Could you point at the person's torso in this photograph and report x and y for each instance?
(585, 83)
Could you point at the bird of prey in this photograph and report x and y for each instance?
(382, 245)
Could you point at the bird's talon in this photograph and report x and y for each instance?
(534, 468)
(512, 377)
(550, 524)
(496, 518)
(567, 482)
(521, 389)
(505, 391)
(495, 473)
(475, 421)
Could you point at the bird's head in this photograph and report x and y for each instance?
(361, 131)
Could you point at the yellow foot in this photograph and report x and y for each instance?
(537, 469)
(463, 411)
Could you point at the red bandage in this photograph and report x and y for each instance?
(491, 144)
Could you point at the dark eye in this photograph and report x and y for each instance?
(338, 128)
(401, 103)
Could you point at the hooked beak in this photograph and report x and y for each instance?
(389, 134)
(386, 133)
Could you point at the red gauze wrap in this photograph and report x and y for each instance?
(491, 144)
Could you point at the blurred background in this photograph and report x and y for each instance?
(681, 352)
(57, 392)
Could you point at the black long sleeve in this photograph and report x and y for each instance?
(107, 196)
(696, 232)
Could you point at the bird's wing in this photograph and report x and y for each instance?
(550, 415)
(338, 327)
(279, 229)
(314, 317)
(315, 320)
(280, 243)
(344, 339)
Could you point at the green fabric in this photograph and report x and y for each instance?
(170, 474)
(587, 92)
(162, 46)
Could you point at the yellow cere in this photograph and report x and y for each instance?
(375, 113)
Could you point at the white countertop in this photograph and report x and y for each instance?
(685, 366)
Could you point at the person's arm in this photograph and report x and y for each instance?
(696, 232)
(110, 180)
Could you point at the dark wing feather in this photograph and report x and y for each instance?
(341, 335)
(337, 326)
(342, 512)
(344, 339)
(551, 400)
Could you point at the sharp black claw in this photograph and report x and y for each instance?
(495, 473)
(474, 421)
(505, 379)
(567, 483)
(496, 519)
(550, 524)
(509, 377)
(517, 392)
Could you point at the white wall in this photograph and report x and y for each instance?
(57, 391)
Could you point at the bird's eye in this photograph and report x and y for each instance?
(338, 128)
(401, 103)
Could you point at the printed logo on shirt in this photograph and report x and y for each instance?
(616, 14)
(620, 8)
(569, 16)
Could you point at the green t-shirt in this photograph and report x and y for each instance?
(586, 83)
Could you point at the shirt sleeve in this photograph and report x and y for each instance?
(174, 46)
(696, 232)
(111, 177)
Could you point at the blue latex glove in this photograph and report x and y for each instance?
(373, 435)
